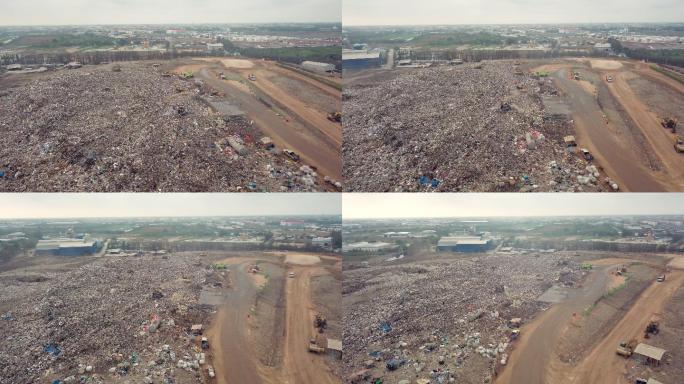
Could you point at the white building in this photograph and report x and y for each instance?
(212, 47)
(315, 66)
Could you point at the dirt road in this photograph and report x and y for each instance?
(600, 137)
(234, 360)
(531, 360)
(295, 125)
(659, 139)
(603, 365)
(300, 366)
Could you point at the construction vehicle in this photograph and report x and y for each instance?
(320, 322)
(679, 144)
(609, 78)
(291, 154)
(586, 154)
(514, 335)
(335, 117)
(314, 347)
(653, 328)
(660, 278)
(251, 77)
(291, 275)
(669, 123)
(576, 76)
(626, 349)
(187, 75)
(205, 343)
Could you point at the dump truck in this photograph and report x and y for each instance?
(660, 278)
(669, 123)
(626, 349)
(609, 78)
(335, 117)
(679, 144)
(586, 154)
(251, 77)
(291, 275)
(205, 343)
(314, 347)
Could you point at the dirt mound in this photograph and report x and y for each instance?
(605, 64)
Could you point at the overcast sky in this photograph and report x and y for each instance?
(57, 205)
(442, 12)
(63, 12)
(392, 205)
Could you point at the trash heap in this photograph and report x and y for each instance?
(135, 129)
(443, 321)
(475, 127)
(124, 319)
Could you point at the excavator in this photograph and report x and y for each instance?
(669, 123)
(335, 117)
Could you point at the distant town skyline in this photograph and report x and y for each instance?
(470, 12)
(122, 205)
(455, 205)
(117, 12)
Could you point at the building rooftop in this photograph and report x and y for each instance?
(461, 240)
(352, 54)
(649, 351)
(335, 344)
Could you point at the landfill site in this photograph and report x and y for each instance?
(513, 314)
(566, 125)
(179, 125)
(162, 317)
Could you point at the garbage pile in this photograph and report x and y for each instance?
(475, 127)
(124, 319)
(443, 320)
(95, 129)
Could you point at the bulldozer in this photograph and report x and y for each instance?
(335, 117)
(669, 123)
(626, 349)
(320, 322)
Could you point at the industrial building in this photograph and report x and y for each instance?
(322, 242)
(318, 67)
(353, 59)
(464, 244)
(213, 47)
(65, 247)
(648, 354)
(365, 246)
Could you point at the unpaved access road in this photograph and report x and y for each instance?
(300, 366)
(600, 138)
(234, 360)
(531, 360)
(294, 125)
(602, 364)
(659, 139)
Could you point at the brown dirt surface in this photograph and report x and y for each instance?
(605, 64)
(603, 365)
(299, 365)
